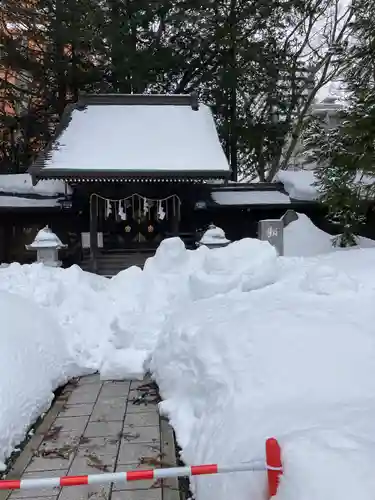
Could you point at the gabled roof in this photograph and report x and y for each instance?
(124, 137)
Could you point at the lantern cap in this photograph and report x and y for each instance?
(46, 238)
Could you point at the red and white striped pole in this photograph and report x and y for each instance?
(135, 475)
(273, 465)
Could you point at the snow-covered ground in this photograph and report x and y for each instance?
(243, 344)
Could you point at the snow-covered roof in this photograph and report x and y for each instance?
(299, 184)
(22, 184)
(135, 136)
(20, 202)
(250, 197)
(302, 184)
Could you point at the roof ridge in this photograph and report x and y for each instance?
(138, 100)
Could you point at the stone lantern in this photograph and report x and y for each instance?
(47, 246)
(214, 237)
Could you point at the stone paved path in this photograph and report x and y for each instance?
(98, 427)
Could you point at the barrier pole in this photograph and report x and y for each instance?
(274, 465)
(132, 475)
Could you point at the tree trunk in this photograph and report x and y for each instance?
(59, 59)
(233, 135)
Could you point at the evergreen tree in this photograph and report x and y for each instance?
(50, 52)
(345, 155)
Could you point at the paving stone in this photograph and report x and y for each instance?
(112, 401)
(141, 408)
(73, 425)
(48, 463)
(102, 449)
(153, 494)
(141, 435)
(139, 419)
(62, 440)
(77, 410)
(136, 393)
(133, 485)
(111, 389)
(103, 429)
(90, 379)
(55, 455)
(89, 492)
(99, 429)
(140, 383)
(40, 492)
(82, 465)
(132, 453)
(105, 442)
(84, 394)
(109, 410)
(117, 382)
(103, 414)
(36, 498)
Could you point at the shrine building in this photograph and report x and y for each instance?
(136, 164)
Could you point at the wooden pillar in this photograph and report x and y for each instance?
(93, 232)
(175, 225)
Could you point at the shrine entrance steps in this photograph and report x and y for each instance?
(111, 263)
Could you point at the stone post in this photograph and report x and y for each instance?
(272, 230)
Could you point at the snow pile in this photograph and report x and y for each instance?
(77, 300)
(303, 239)
(142, 300)
(34, 360)
(170, 280)
(294, 360)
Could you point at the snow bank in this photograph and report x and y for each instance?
(173, 278)
(303, 239)
(34, 361)
(294, 360)
(74, 298)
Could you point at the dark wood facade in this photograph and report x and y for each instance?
(134, 216)
(197, 210)
(131, 198)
